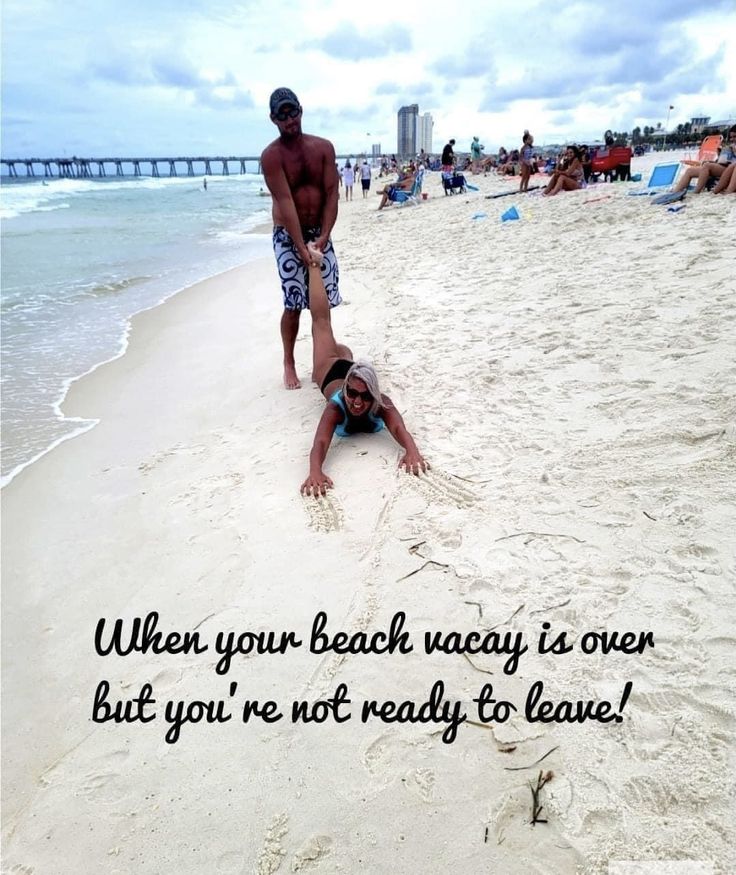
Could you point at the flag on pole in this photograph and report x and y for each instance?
(672, 107)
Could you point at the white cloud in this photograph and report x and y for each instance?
(181, 75)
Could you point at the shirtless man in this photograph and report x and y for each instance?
(300, 173)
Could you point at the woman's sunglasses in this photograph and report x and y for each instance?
(287, 113)
(354, 393)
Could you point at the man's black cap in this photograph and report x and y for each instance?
(282, 97)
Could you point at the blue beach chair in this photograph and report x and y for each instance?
(411, 196)
(453, 182)
(663, 175)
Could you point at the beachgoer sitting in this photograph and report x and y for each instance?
(404, 183)
(354, 400)
(569, 176)
(727, 183)
(488, 163)
(710, 169)
(510, 165)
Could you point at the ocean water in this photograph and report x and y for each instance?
(79, 258)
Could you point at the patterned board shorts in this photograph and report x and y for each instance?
(295, 276)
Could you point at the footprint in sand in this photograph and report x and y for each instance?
(312, 853)
(386, 758)
(325, 514)
(509, 823)
(420, 783)
(105, 787)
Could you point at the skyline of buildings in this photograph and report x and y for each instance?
(425, 127)
(414, 132)
(407, 130)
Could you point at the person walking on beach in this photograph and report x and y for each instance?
(300, 173)
(348, 177)
(365, 177)
(354, 401)
(526, 158)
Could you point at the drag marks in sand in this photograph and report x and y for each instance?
(438, 487)
(325, 514)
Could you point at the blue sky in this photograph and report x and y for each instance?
(187, 77)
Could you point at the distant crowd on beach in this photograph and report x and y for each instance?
(569, 168)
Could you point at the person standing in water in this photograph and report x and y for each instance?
(300, 173)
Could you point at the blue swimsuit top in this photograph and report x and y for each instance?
(374, 423)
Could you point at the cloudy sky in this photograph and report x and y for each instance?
(178, 77)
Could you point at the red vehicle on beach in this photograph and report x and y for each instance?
(613, 161)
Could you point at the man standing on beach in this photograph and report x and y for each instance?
(448, 157)
(300, 173)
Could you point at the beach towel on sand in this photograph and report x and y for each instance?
(668, 198)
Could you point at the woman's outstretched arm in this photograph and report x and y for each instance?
(317, 482)
(412, 459)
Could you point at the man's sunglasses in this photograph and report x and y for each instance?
(287, 113)
(354, 393)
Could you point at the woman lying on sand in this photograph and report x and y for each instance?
(354, 401)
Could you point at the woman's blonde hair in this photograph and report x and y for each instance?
(365, 371)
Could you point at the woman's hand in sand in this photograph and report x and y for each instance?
(315, 255)
(413, 463)
(316, 485)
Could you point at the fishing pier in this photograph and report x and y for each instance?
(96, 168)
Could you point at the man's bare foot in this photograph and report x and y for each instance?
(291, 381)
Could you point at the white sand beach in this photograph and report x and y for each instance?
(570, 376)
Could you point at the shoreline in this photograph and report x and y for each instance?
(86, 425)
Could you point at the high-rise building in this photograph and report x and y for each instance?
(376, 152)
(425, 125)
(407, 130)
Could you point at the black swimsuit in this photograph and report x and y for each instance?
(338, 371)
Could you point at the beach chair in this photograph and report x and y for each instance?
(453, 182)
(708, 151)
(663, 174)
(411, 196)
